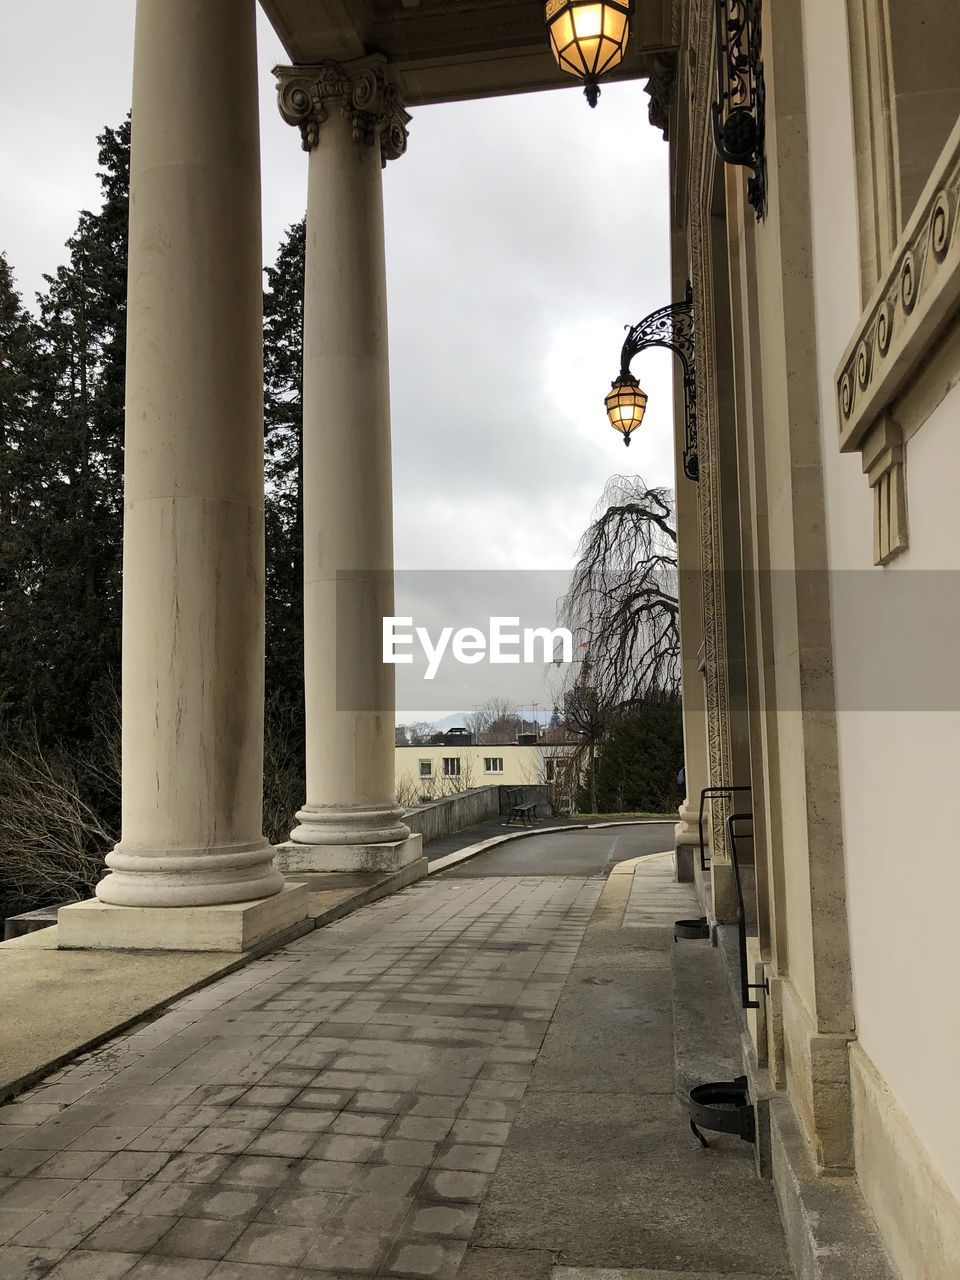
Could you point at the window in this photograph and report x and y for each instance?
(551, 770)
(493, 764)
(451, 766)
(426, 768)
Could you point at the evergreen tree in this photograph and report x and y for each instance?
(62, 592)
(639, 761)
(283, 467)
(284, 723)
(17, 340)
(61, 518)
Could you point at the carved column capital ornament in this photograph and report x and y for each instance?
(659, 89)
(361, 91)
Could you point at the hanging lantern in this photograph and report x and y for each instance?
(588, 38)
(626, 404)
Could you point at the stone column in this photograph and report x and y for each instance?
(352, 121)
(193, 606)
(686, 832)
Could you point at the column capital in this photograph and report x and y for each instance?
(306, 95)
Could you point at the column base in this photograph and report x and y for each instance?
(233, 926)
(190, 877)
(683, 858)
(686, 839)
(293, 858)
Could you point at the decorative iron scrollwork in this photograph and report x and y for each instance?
(672, 327)
(739, 109)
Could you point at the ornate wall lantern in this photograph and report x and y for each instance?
(626, 404)
(588, 38)
(670, 327)
(738, 112)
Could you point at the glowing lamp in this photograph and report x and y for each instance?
(626, 404)
(588, 38)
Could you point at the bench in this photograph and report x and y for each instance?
(520, 811)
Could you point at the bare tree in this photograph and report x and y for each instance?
(623, 608)
(419, 733)
(478, 722)
(503, 720)
(283, 782)
(622, 603)
(52, 841)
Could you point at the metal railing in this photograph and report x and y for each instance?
(746, 986)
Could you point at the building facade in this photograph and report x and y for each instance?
(819, 552)
(819, 546)
(442, 769)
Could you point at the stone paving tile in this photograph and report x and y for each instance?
(20, 1263)
(214, 1200)
(83, 1265)
(425, 1259)
(14, 1220)
(129, 1233)
(259, 1271)
(280, 1243)
(200, 1238)
(455, 1185)
(157, 1268)
(191, 1166)
(449, 1221)
(333, 1110)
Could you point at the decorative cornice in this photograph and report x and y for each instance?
(910, 307)
(659, 88)
(306, 94)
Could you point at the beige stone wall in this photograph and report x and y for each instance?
(794, 761)
(903, 877)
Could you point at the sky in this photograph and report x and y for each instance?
(523, 235)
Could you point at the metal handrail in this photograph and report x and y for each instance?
(712, 791)
(746, 986)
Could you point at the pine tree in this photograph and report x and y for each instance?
(61, 508)
(283, 465)
(284, 725)
(639, 761)
(17, 339)
(63, 624)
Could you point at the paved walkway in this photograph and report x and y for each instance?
(660, 835)
(340, 1108)
(567, 853)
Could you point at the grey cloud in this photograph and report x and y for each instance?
(523, 234)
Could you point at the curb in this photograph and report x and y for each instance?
(471, 851)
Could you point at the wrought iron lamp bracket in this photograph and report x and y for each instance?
(740, 106)
(672, 327)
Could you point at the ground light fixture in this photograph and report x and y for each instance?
(626, 402)
(588, 38)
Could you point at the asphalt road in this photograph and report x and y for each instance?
(574, 853)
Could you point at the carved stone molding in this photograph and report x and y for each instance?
(907, 314)
(700, 35)
(306, 95)
(908, 308)
(882, 453)
(659, 89)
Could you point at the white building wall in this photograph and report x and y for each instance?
(898, 768)
(522, 765)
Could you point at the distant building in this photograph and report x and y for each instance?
(456, 765)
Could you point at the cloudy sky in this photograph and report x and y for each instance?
(522, 235)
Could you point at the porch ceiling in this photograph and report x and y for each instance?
(445, 50)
